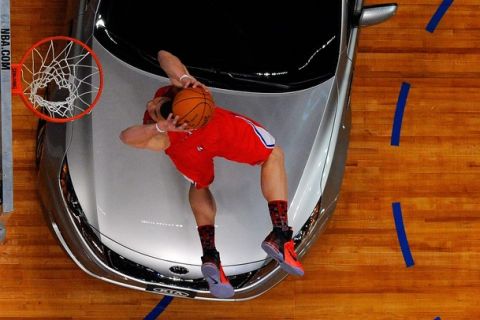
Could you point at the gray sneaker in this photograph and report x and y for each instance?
(218, 283)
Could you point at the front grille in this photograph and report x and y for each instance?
(143, 273)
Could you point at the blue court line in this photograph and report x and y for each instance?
(397, 121)
(442, 9)
(402, 237)
(159, 308)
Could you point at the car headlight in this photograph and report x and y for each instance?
(309, 226)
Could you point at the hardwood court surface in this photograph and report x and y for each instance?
(356, 269)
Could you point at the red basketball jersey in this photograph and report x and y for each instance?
(227, 135)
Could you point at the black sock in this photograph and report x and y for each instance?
(278, 214)
(207, 238)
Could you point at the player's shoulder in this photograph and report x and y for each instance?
(223, 111)
(166, 91)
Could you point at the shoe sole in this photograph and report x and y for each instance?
(277, 255)
(217, 288)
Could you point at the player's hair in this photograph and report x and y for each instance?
(166, 108)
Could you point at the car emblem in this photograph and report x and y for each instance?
(178, 270)
(171, 292)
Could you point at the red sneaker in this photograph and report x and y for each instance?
(279, 246)
(218, 283)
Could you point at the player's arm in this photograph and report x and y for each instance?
(177, 72)
(152, 136)
(145, 136)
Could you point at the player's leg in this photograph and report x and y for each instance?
(274, 177)
(204, 209)
(278, 244)
(203, 205)
(257, 146)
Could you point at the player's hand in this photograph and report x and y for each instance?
(153, 108)
(170, 124)
(187, 81)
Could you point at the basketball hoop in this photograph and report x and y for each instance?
(59, 78)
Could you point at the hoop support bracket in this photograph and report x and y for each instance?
(16, 79)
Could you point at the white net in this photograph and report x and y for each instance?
(60, 79)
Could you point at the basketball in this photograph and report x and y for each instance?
(194, 106)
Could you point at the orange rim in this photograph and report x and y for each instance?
(17, 87)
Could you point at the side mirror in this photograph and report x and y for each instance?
(371, 15)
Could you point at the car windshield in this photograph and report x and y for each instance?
(231, 44)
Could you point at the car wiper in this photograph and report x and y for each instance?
(240, 77)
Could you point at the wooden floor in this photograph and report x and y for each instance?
(356, 269)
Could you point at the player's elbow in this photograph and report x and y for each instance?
(125, 137)
(162, 55)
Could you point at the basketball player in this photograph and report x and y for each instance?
(192, 152)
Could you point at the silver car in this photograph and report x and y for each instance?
(123, 215)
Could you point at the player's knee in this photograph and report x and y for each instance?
(201, 201)
(277, 154)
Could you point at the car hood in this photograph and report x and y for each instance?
(138, 201)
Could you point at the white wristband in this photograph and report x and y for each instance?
(158, 129)
(185, 76)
